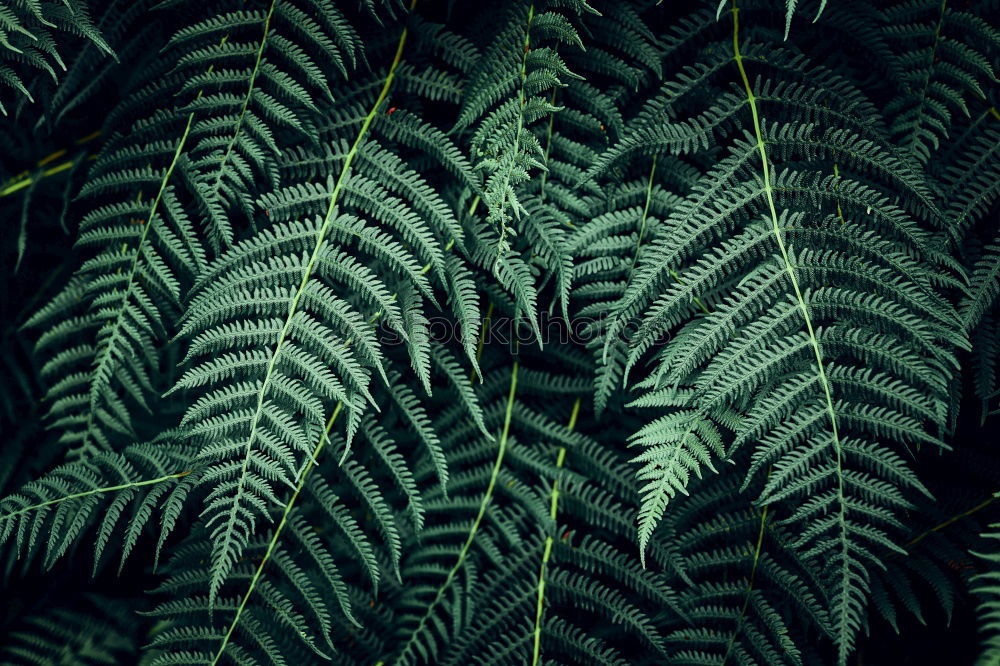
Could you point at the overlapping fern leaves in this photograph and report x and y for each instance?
(805, 279)
(161, 178)
(559, 332)
(31, 32)
(281, 324)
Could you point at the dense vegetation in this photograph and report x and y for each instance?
(552, 332)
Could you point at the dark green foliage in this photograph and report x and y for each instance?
(32, 34)
(985, 586)
(552, 332)
(94, 630)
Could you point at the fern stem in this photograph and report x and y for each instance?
(553, 508)
(642, 232)
(312, 462)
(753, 576)
(306, 274)
(482, 339)
(29, 181)
(487, 496)
(548, 150)
(940, 526)
(24, 179)
(840, 211)
(813, 341)
(163, 187)
(103, 355)
(94, 491)
(246, 99)
(697, 300)
(517, 134)
(932, 57)
(645, 216)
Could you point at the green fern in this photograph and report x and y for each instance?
(95, 494)
(268, 315)
(28, 30)
(943, 65)
(99, 630)
(788, 299)
(549, 332)
(985, 588)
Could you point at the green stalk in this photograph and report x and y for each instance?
(307, 273)
(520, 125)
(94, 491)
(548, 149)
(553, 509)
(104, 357)
(642, 232)
(753, 575)
(790, 269)
(246, 99)
(313, 461)
(937, 528)
(487, 496)
(645, 216)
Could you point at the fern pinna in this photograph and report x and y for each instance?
(543, 332)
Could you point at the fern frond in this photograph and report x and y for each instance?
(551, 332)
(96, 630)
(985, 587)
(95, 496)
(749, 614)
(773, 292)
(28, 44)
(504, 97)
(286, 315)
(942, 62)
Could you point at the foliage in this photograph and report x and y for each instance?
(559, 331)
